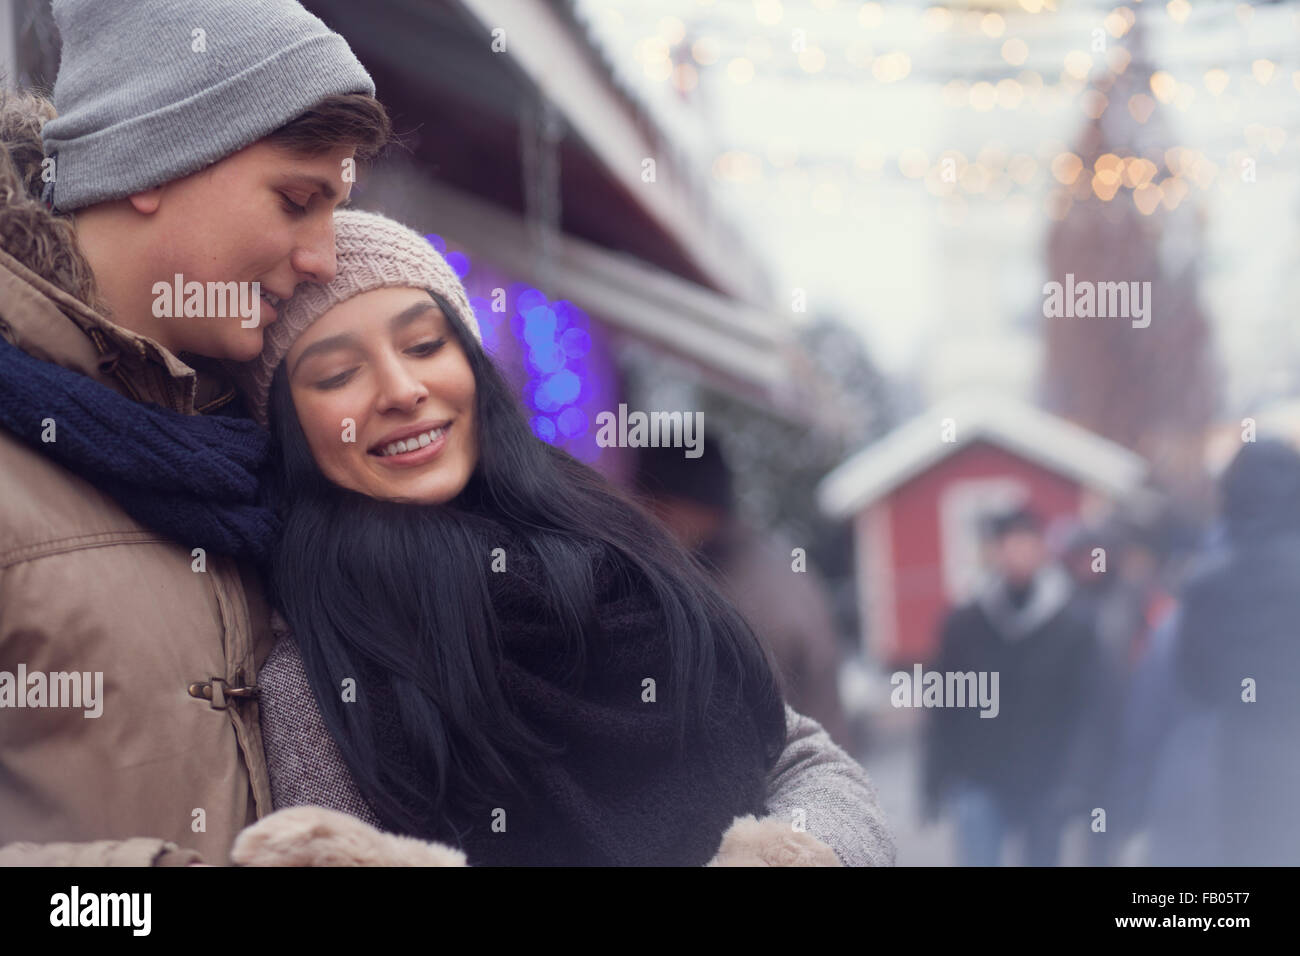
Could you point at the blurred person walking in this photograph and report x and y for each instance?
(1214, 711)
(1130, 604)
(1005, 775)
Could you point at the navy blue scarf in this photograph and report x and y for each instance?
(197, 479)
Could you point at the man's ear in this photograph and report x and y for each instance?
(147, 202)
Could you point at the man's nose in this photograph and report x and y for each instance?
(314, 258)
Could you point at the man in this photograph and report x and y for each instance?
(1005, 773)
(209, 140)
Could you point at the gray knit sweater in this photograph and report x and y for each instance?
(813, 778)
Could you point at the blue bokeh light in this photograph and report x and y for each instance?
(572, 422)
(562, 388)
(544, 428)
(539, 326)
(529, 299)
(547, 358)
(542, 400)
(575, 342)
(553, 340)
(459, 263)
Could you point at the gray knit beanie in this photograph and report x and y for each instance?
(373, 252)
(150, 91)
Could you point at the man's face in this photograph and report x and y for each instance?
(259, 215)
(693, 524)
(1018, 555)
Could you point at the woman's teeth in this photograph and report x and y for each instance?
(410, 444)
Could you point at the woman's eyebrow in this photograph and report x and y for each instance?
(342, 340)
(347, 340)
(410, 314)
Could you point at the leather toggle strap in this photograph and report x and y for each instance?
(218, 689)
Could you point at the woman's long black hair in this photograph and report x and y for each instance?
(389, 593)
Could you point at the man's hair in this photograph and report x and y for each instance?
(1013, 520)
(348, 119)
(40, 239)
(665, 472)
(1260, 491)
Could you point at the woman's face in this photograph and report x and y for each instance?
(385, 396)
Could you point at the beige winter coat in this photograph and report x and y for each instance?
(85, 588)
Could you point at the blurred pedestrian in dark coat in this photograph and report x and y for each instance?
(1236, 660)
(1005, 774)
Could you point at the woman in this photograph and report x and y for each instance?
(504, 655)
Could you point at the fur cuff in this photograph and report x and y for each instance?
(771, 841)
(315, 836)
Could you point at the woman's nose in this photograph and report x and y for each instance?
(399, 389)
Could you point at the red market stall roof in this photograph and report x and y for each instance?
(1052, 442)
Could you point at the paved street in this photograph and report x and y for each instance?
(894, 768)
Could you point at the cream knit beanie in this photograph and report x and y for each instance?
(373, 252)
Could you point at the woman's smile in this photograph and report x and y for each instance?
(412, 446)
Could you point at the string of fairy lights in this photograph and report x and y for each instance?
(1028, 56)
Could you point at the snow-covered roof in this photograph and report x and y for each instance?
(1050, 441)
